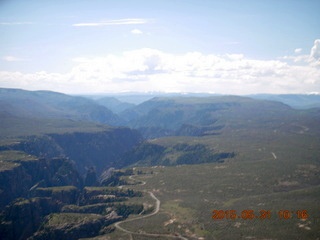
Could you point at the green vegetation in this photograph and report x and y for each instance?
(95, 195)
(190, 193)
(100, 208)
(15, 156)
(151, 153)
(193, 116)
(12, 159)
(14, 128)
(215, 153)
(61, 219)
(70, 226)
(64, 194)
(276, 167)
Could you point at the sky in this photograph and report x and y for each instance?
(114, 46)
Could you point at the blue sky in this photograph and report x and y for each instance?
(94, 46)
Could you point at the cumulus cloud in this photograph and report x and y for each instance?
(125, 21)
(315, 50)
(153, 70)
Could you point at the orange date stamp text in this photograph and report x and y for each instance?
(249, 214)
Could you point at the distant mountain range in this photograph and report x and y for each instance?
(194, 116)
(114, 104)
(300, 101)
(188, 114)
(46, 104)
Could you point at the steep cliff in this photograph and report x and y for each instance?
(34, 189)
(39, 174)
(100, 149)
(19, 174)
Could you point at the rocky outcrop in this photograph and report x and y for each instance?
(69, 226)
(41, 174)
(25, 175)
(63, 195)
(66, 212)
(42, 146)
(23, 217)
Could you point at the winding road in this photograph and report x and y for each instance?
(156, 210)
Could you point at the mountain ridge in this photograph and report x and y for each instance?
(47, 104)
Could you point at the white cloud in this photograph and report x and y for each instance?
(125, 21)
(153, 70)
(312, 59)
(315, 50)
(136, 31)
(13, 59)
(298, 50)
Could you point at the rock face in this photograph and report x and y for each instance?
(100, 150)
(53, 213)
(23, 175)
(23, 199)
(41, 174)
(23, 217)
(66, 212)
(69, 226)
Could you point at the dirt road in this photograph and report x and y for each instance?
(156, 210)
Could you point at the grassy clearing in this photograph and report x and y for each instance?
(13, 128)
(15, 156)
(12, 159)
(58, 219)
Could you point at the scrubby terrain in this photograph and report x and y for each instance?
(70, 168)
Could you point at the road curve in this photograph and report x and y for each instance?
(156, 210)
(141, 182)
